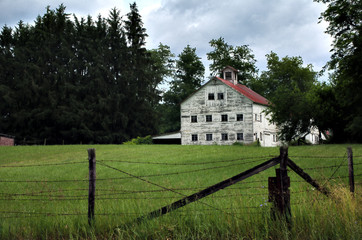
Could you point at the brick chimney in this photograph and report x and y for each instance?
(230, 74)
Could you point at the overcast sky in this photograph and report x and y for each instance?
(283, 26)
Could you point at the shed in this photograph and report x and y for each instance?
(167, 138)
(6, 140)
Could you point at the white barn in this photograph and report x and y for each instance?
(224, 112)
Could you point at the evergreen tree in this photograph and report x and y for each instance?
(142, 117)
(79, 81)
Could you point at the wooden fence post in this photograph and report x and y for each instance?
(279, 189)
(350, 170)
(92, 184)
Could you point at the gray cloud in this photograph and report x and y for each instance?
(283, 26)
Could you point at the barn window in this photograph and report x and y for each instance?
(224, 136)
(240, 136)
(261, 136)
(256, 117)
(193, 119)
(208, 118)
(224, 118)
(260, 118)
(239, 117)
(194, 137)
(209, 137)
(228, 75)
(211, 96)
(220, 96)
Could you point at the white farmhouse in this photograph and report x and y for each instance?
(224, 112)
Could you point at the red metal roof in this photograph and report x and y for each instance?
(247, 92)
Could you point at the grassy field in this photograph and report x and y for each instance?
(44, 193)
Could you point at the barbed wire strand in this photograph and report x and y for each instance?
(135, 162)
(260, 158)
(103, 179)
(41, 165)
(155, 184)
(175, 164)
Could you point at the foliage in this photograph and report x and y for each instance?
(299, 142)
(238, 144)
(188, 77)
(238, 57)
(77, 81)
(290, 88)
(345, 26)
(139, 141)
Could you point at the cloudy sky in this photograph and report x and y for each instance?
(283, 26)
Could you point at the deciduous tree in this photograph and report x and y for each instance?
(345, 26)
(238, 57)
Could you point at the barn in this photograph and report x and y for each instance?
(223, 112)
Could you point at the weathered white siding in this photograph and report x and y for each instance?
(233, 104)
(263, 129)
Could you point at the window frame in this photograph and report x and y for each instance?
(194, 137)
(211, 96)
(220, 96)
(224, 137)
(228, 75)
(224, 118)
(208, 136)
(238, 119)
(194, 118)
(240, 138)
(208, 118)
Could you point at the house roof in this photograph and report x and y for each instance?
(172, 135)
(235, 70)
(247, 92)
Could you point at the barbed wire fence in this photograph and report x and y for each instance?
(106, 194)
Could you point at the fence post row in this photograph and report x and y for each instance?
(92, 184)
(350, 169)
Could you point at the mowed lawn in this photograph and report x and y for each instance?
(44, 193)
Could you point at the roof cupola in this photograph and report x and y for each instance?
(230, 74)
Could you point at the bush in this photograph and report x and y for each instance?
(299, 142)
(140, 140)
(238, 144)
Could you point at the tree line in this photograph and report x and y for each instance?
(93, 81)
(90, 81)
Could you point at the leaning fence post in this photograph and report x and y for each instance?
(92, 184)
(350, 169)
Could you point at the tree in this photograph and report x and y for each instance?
(143, 117)
(162, 64)
(290, 88)
(187, 79)
(345, 26)
(239, 57)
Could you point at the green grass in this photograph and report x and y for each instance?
(41, 202)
